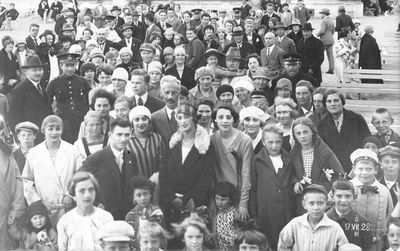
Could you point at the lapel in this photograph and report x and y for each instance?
(264, 157)
(35, 91)
(111, 164)
(191, 158)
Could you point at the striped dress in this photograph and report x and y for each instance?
(149, 156)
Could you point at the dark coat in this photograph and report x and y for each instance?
(295, 79)
(115, 192)
(392, 189)
(296, 37)
(394, 138)
(271, 196)
(135, 46)
(195, 51)
(187, 79)
(20, 159)
(324, 159)
(153, 104)
(370, 55)
(245, 11)
(139, 31)
(9, 68)
(343, 21)
(265, 19)
(30, 43)
(312, 52)
(246, 50)
(162, 125)
(257, 42)
(352, 133)
(106, 46)
(161, 28)
(27, 104)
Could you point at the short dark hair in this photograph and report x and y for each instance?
(254, 55)
(205, 15)
(307, 84)
(140, 182)
(101, 93)
(343, 33)
(234, 114)
(333, 91)
(343, 184)
(319, 90)
(383, 110)
(205, 102)
(143, 73)
(393, 220)
(104, 68)
(124, 123)
(149, 16)
(33, 25)
(209, 27)
(226, 189)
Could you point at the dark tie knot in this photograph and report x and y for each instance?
(372, 189)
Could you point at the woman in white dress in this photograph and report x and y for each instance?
(77, 229)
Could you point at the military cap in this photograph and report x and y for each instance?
(68, 58)
(363, 154)
(147, 47)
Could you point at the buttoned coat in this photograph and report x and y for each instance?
(312, 52)
(287, 45)
(135, 46)
(187, 78)
(274, 62)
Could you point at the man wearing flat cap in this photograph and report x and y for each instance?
(237, 20)
(196, 20)
(71, 94)
(132, 43)
(268, 15)
(29, 101)
(389, 157)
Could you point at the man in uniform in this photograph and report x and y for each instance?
(71, 94)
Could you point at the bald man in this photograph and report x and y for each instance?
(272, 55)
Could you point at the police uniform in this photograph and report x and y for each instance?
(71, 95)
(356, 227)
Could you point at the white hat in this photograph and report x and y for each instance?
(252, 112)
(116, 231)
(244, 82)
(91, 42)
(139, 110)
(154, 66)
(363, 154)
(125, 50)
(75, 48)
(356, 21)
(120, 73)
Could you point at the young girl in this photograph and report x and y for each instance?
(248, 238)
(152, 236)
(38, 235)
(225, 226)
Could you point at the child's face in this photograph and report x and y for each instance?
(248, 247)
(193, 239)
(142, 197)
(273, 143)
(343, 200)
(149, 243)
(371, 146)
(26, 138)
(390, 165)
(115, 246)
(222, 202)
(38, 221)
(315, 204)
(394, 236)
(365, 171)
(382, 122)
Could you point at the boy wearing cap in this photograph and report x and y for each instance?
(389, 157)
(26, 134)
(373, 199)
(116, 235)
(313, 231)
(356, 227)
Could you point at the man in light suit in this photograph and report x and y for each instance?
(285, 43)
(326, 35)
(272, 55)
(151, 27)
(113, 167)
(163, 120)
(139, 83)
(99, 14)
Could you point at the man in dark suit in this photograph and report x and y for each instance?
(162, 24)
(139, 28)
(163, 120)
(341, 129)
(29, 101)
(312, 52)
(116, 12)
(245, 9)
(270, 14)
(237, 20)
(32, 41)
(343, 21)
(282, 41)
(187, 77)
(252, 36)
(102, 42)
(131, 42)
(151, 27)
(113, 167)
(304, 91)
(245, 48)
(139, 82)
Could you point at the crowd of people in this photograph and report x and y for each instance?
(141, 128)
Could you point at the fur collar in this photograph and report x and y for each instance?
(201, 139)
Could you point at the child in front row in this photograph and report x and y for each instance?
(142, 190)
(389, 157)
(373, 199)
(249, 238)
(38, 235)
(152, 236)
(356, 227)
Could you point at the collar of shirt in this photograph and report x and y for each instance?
(143, 97)
(33, 82)
(305, 111)
(271, 48)
(390, 184)
(116, 152)
(257, 139)
(339, 119)
(169, 111)
(357, 183)
(388, 133)
(325, 221)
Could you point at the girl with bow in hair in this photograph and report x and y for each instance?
(249, 238)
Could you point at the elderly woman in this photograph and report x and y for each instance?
(189, 165)
(252, 120)
(94, 139)
(181, 71)
(234, 155)
(370, 54)
(147, 146)
(345, 54)
(49, 168)
(77, 229)
(8, 65)
(203, 90)
(243, 87)
(285, 114)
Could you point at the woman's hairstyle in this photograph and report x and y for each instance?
(87, 29)
(92, 115)
(230, 22)
(234, 114)
(187, 109)
(101, 93)
(226, 189)
(194, 220)
(154, 230)
(187, 12)
(124, 99)
(48, 32)
(274, 128)
(250, 235)
(140, 182)
(306, 122)
(156, 35)
(254, 55)
(106, 68)
(83, 176)
(286, 102)
(333, 91)
(343, 33)
(205, 102)
(7, 40)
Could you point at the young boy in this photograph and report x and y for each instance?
(356, 228)
(142, 190)
(389, 157)
(26, 134)
(116, 235)
(313, 231)
(394, 234)
(373, 199)
(382, 120)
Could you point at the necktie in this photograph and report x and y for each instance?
(385, 138)
(268, 51)
(337, 124)
(120, 161)
(140, 101)
(40, 90)
(173, 119)
(129, 41)
(36, 42)
(372, 189)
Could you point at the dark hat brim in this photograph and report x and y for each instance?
(326, 13)
(237, 58)
(211, 53)
(31, 66)
(291, 25)
(280, 27)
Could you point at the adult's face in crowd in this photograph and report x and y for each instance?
(147, 56)
(260, 83)
(280, 32)
(270, 9)
(226, 98)
(127, 33)
(170, 14)
(238, 38)
(101, 35)
(253, 64)
(249, 27)
(283, 114)
(204, 112)
(34, 31)
(169, 59)
(190, 35)
(307, 33)
(251, 125)
(224, 120)
(205, 82)
(104, 79)
(283, 92)
(89, 75)
(180, 56)
(170, 96)
(303, 96)
(303, 134)
(261, 103)
(334, 104)
(52, 133)
(103, 106)
(317, 101)
(212, 60)
(232, 64)
(242, 94)
(177, 40)
(118, 84)
(85, 194)
(155, 77)
(205, 20)
(125, 58)
(34, 73)
(119, 137)
(68, 68)
(94, 127)
(141, 124)
(50, 39)
(292, 68)
(185, 122)
(122, 110)
(228, 27)
(269, 39)
(186, 18)
(139, 87)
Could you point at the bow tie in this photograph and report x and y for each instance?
(372, 189)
